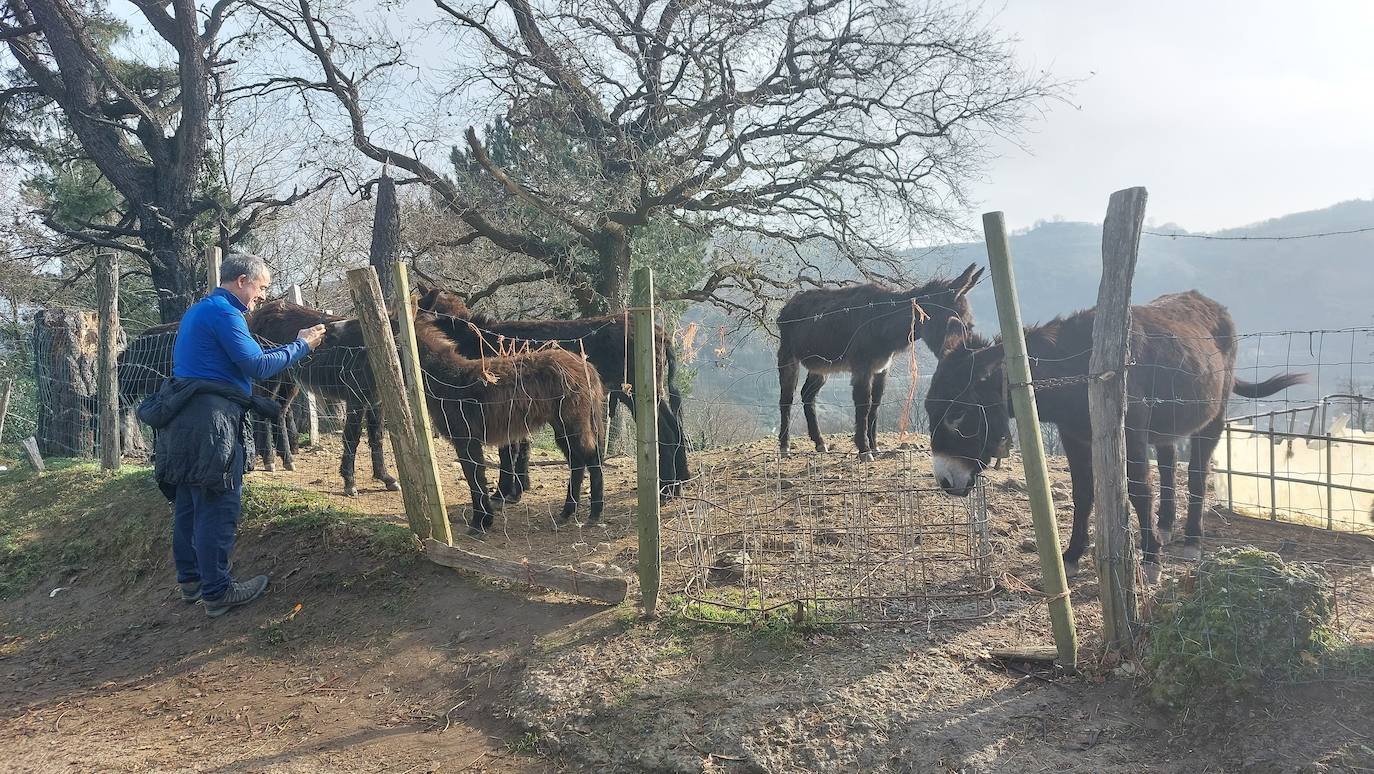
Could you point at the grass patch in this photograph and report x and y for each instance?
(783, 626)
(75, 517)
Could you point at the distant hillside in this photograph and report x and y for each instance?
(1302, 284)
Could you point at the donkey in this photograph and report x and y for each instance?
(502, 400)
(859, 329)
(608, 343)
(1184, 350)
(147, 361)
(336, 370)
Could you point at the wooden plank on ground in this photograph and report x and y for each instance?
(1033, 654)
(565, 579)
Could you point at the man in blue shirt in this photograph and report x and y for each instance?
(214, 362)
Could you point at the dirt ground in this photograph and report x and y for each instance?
(389, 667)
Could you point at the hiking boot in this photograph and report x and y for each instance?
(237, 594)
(190, 590)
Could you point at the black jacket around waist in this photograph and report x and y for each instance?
(203, 438)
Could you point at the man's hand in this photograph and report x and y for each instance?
(311, 336)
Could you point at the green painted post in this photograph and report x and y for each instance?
(646, 432)
(1056, 586)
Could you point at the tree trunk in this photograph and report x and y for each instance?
(614, 251)
(65, 349)
(174, 270)
(386, 234)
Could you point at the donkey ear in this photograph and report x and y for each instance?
(967, 280)
(956, 334)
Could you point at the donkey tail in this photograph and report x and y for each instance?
(1267, 387)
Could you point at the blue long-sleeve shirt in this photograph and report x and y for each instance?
(213, 343)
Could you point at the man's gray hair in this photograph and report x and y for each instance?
(237, 265)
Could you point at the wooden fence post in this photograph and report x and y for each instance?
(424, 506)
(311, 409)
(30, 446)
(419, 415)
(1056, 586)
(646, 432)
(212, 264)
(107, 382)
(1107, 409)
(5, 406)
(386, 233)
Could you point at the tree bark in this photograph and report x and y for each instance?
(175, 275)
(65, 349)
(386, 234)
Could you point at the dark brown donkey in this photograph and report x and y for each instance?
(609, 346)
(1184, 351)
(336, 370)
(502, 400)
(859, 329)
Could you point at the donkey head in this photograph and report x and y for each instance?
(945, 300)
(970, 422)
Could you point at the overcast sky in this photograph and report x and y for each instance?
(1228, 112)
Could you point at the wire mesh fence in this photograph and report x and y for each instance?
(831, 538)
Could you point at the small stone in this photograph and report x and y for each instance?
(1027, 546)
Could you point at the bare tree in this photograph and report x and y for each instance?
(147, 129)
(844, 123)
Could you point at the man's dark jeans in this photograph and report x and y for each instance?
(203, 533)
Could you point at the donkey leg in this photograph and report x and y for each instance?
(861, 383)
(1167, 455)
(787, 388)
(1079, 454)
(507, 486)
(1203, 444)
(374, 443)
(1141, 492)
(875, 399)
(352, 433)
(575, 475)
(262, 440)
(474, 472)
(598, 495)
(522, 466)
(810, 388)
(669, 479)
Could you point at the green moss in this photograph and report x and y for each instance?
(1244, 621)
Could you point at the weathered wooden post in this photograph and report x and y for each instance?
(424, 506)
(65, 351)
(5, 406)
(419, 415)
(107, 382)
(212, 264)
(1107, 411)
(646, 432)
(30, 446)
(311, 409)
(1056, 586)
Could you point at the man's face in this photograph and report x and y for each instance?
(251, 292)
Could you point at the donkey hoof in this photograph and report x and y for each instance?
(1151, 570)
(350, 491)
(392, 486)
(592, 521)
(1070, 568)
(476, 532)
(269, 467)
(822, 448)
(1190, 552)
(291, 466)
(1166, 536)
(866, 456)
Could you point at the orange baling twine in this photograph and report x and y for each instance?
(917, 315)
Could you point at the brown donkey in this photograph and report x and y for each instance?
(608, 343)
(859, 329)
(1184, 351)
(503, 400)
